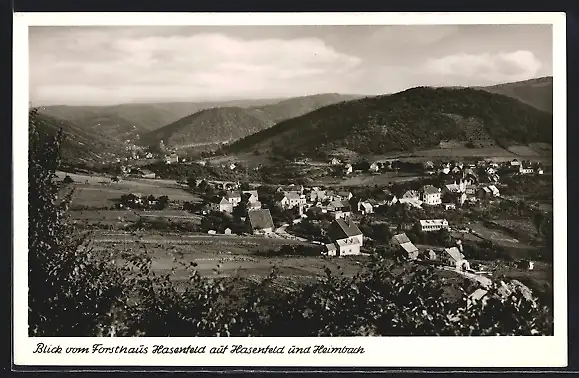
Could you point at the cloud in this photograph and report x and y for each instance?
(100, 65)
(486, 67)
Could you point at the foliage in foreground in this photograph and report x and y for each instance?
(74, 291)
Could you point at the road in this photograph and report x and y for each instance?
(484, 281)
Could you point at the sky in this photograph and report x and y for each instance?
(102, 65)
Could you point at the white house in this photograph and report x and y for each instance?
(365, 208)
(449, 206)
(348, 169)
(515, 163)
(525, 170)
(234, 198)
(232, 166)
(431, 195)
(429, 225)
(346, 237)
(221, 205)
(345, 196)
(374, 167)
(171, 158)
(292, 199)
(335, 161)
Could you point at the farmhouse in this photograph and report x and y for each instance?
(515, 163)
(348, 168)
(410, 195)
(402, 242)
(252, 195)
(260, 221)
(346, 236)
(429, 225)
(221, 205)
(431, 195)
(227, 231)
(232, 166)
(335, 161)
(374, 167)
(317, 195)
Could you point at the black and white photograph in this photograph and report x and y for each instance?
(292, 181)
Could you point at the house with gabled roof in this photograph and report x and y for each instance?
(260, 221)
(292, 199)
(346, 236)
(234, 198)
(221, 204)
(431, 195)
(402, 242)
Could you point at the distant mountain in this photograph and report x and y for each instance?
(209, 126)
(536, 92)
(129, 121)
(78, 144)
(225, 124)
(413, 119)
(297, 106)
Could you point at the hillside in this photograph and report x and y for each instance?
(78, 145)
(129, 121)
(207, 126)
(297, 106)
(413, 119)
(536, 92)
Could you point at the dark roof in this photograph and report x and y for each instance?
(400, 239)
(260, 219)
(429, 189)
(232, 195)
(343, 228)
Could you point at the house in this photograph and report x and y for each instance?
(335, 161)
(429, 225)
(484, 192)
(453, 257)
(171, 158)
(470, 190)
(292, 199)
(345, 196)
(455, 188)
(402, 242)
(365, 208)
(348, 168)
(390, 199)
(148, 174)
(431, 195)
(252, 195)
(234, 198)
(260, 221)
(221, 205)
(341, 214)
(455, 170)
(444, 170)
(317, 195)
(449, 206)
(338, 206)
(374, 167)
(232, 166)
(479, 295)
(149, 155)
(410, 195)
(428, 165)
(346, 236)
(494, 190)
(227, 231)
(331, 249)
(539, 171)
(525, 170)
(515, 163)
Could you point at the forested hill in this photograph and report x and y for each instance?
(416, 118)
(78, 145)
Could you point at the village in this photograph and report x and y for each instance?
(421, 221)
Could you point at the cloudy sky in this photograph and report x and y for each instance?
(110, 64)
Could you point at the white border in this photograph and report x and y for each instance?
(380, 351)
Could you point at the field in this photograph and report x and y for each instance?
(222, 255)
(368, 180)
(100, 191)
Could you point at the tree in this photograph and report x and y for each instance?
(72, 291)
